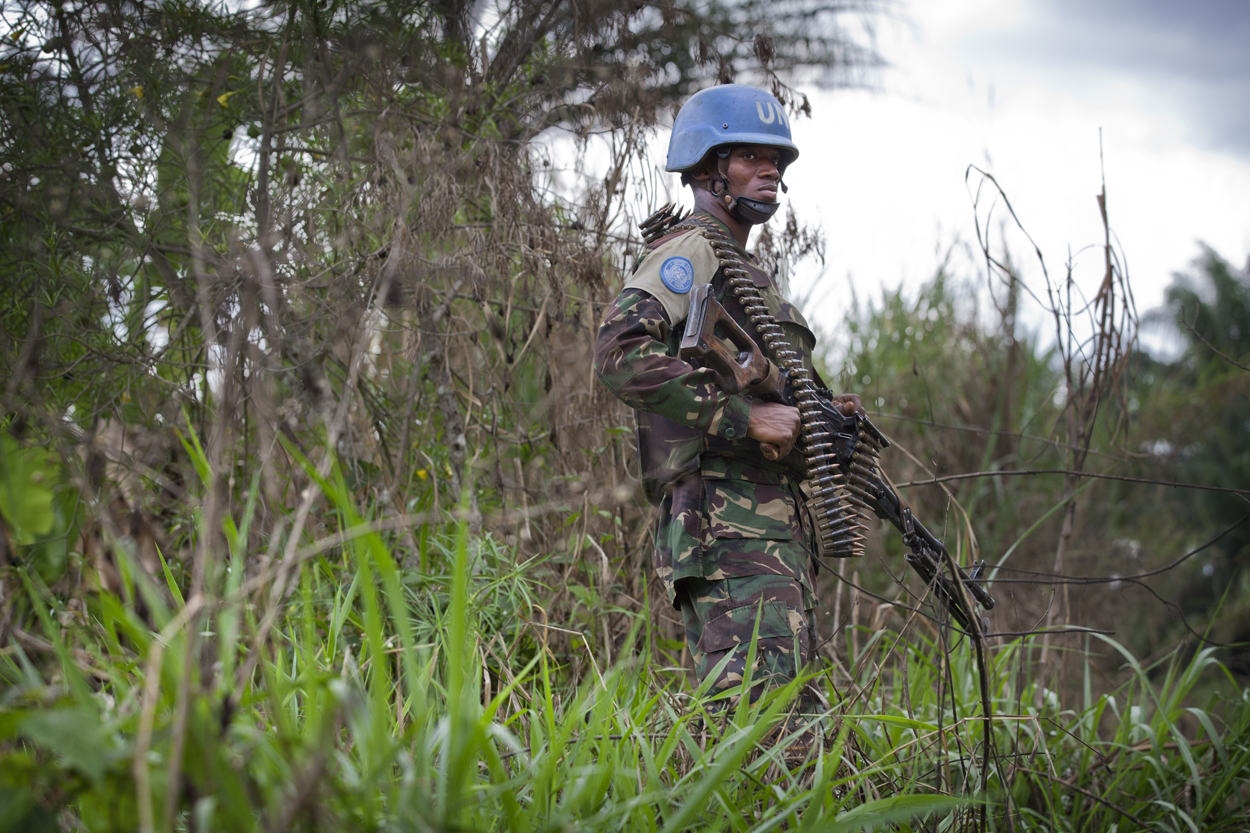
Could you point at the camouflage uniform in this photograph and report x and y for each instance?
(734, 541)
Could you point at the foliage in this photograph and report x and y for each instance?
(1212, 310)
(962, 387)
(335, 230)
(170, 168)
(412, 700)
(1198, 428)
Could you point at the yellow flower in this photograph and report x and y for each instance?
(422, 474)
(137, 92)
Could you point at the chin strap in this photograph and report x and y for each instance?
(743, 209)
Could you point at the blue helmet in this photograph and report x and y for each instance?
(729, 114)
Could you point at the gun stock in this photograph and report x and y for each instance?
(708, 327)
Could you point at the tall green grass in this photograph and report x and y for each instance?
(379, 698)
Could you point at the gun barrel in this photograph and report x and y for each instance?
(887, 505)
(973, 583)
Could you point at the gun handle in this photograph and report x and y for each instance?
(747, 370)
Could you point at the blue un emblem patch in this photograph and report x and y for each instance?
(677, 274)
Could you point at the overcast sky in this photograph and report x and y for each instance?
(1021, 88)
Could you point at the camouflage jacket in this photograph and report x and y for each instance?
(710, 481)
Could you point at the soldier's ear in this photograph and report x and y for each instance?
(703, 171)
(701, 174)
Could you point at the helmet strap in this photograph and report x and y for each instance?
(742, 209)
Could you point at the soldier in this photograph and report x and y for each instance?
(734, 543)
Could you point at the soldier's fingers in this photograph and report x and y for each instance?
(849, 403)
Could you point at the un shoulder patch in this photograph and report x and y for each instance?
(677, 274)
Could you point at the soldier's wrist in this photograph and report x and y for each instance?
(734, 418)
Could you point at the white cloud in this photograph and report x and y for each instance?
(884, 172)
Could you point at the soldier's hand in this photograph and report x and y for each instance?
(848, 403)
(772, 423)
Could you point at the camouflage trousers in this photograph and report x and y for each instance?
(720, 617)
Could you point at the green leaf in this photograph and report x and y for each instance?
(887, 810)
(20, 812)
(11, 723)
(76, 735)
(896, 720)
(169, 580)
(27, 475)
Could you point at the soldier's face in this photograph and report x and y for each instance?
(754, 172)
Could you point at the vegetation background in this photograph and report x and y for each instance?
(314, 516)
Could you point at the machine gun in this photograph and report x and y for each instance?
(841, 455)
(926, 554)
